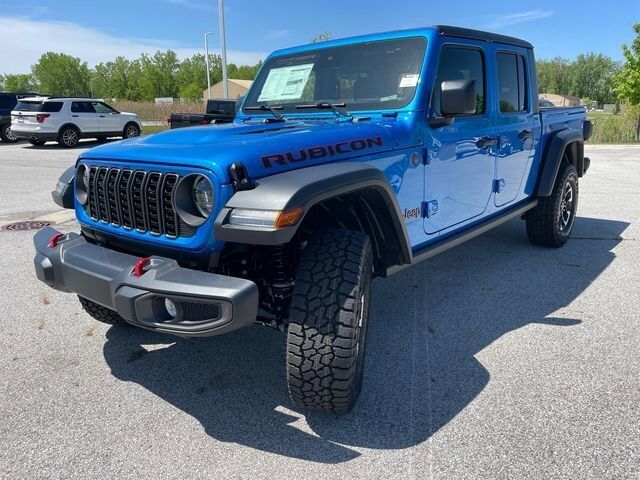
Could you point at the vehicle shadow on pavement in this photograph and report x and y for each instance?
(427, 325)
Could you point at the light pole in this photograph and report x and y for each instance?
(223, 46)
(206, 58)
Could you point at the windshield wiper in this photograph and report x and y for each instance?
(269, 108)
(328, 106)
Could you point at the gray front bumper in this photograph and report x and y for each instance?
(106, 277)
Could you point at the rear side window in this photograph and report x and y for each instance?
(512, 83)
(51, 107)
(82, 107)
(28, 106)
(459, 63)
(7, 102)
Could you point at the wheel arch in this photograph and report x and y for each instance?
(565, 145)
(69, 124)
(354, 196)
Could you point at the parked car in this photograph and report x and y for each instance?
(67, 120)
(218, 111)
(348, 160)
(8, 101)
(545, 103)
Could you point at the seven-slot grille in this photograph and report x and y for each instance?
(135, 199)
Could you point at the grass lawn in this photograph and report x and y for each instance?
(149, 129)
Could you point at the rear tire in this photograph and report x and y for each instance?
(7, 135)
(69, 137)
(551, 222)
(102, 314)
(328, 321)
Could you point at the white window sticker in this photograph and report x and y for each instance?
(409, 80)
(285, 83)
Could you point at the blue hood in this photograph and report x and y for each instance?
(264, 148)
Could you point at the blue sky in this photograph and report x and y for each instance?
(100, 30)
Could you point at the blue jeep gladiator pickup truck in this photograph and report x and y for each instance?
(348, 159)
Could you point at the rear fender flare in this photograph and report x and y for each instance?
(557, 146)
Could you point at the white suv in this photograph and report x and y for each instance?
(67, 120)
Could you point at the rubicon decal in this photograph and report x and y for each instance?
(314, 153)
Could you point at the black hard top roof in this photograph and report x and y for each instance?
(460, 32)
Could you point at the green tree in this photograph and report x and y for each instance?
(592, 78)
(119, 79)
(554, 76)
(20, 82)
(61, 74)
(322, 37)
(192, 75)
(627, 82)
(158, 77)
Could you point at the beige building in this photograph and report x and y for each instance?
(560, 100)
(237, 88)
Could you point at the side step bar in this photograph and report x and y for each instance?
(453, 241)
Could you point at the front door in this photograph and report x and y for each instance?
(461, 156)
(110, 121)
(514, 125)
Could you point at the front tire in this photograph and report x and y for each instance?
(102, 314)
(551, 222)
(328, 321)
(7, 135)
(131, 130)
(69, 137)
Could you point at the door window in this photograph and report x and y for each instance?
(82, 107)
(102, 108)
(512, 84)
(458, 63)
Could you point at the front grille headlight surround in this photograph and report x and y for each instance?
(82, 184)
(194, 199)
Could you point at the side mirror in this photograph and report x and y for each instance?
(458, 98)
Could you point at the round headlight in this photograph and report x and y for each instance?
(203, 196)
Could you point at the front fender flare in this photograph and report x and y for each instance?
(304, 188)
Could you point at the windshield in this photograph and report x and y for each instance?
(366, 76)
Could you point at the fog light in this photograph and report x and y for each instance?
(171, 307)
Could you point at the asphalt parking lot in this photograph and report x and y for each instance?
(497, 359)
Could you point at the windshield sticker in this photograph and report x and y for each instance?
(409, 80)
(285, 83)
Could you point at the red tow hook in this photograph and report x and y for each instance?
(53, 243)
(138, 268)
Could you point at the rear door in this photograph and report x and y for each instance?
(461, 156)
(514, 124)
(85, 117)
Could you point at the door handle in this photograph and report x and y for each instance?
(486, 142)
(101, 116)
(525, 134)
(75, 115)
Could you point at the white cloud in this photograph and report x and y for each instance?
(500, 21)
(25, 40)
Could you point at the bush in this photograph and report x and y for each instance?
(150, 112)
(610, 128)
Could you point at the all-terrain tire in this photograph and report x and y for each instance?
(6, 135)
(551, 222)
(328, 321)
(102, 314)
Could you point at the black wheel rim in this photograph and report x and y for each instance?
(567, 208)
